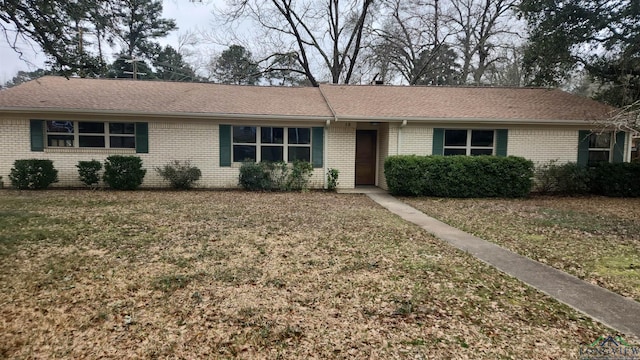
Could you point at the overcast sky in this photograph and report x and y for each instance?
(188, 16)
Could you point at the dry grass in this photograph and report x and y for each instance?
(248, 275)
(594, 238)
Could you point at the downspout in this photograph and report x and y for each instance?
(399, 140)
(629, 146)
(325, 145)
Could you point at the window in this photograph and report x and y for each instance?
(87, 134)
(468, 142)
(599, 148)
(267, 143)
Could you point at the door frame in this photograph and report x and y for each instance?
(376, 155)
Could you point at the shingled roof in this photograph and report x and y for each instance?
(442, 102)
(157, 97)
(343, 102)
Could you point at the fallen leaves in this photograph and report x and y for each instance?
(255, 275)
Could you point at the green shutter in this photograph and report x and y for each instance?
(37, 135)
(317, 146)
(618, 147)
(438, 142)
(583, 147)
(142, 138)
(502, 136)
(225, 145)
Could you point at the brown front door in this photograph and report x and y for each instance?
(365, 157)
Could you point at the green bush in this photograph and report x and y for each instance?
(89, 172)
(181, 175)
(332, 179)
(562, 179)
(618, 179)
(254, 176)
(459, 176)
(299, 176)
(33, 174)
(123, 172)
(279, 175)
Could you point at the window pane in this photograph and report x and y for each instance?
(481, 138)
(272, 135)
(455, 152)
(244, 134)
(455, 137)
(127, 142)
(598, 157)
(91, 128)
(60, 126)
(91, 141)
(299, 136)
(60, 140)
(122, 128)
(271, 153)
(302, 153)
(481, 151)
(244, 153)
(602, 141)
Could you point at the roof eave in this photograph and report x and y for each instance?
(191, 115)
(488, 121)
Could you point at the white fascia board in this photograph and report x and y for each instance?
(466, 120)
(124, 113)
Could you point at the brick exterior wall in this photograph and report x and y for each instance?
(341, 152)
(383, 153)
(198, 142)
(542, 145)
(416, 140)
(193, 140)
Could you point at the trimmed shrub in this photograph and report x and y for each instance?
(459, 176)
(33, 174)
(89, 172)
(332, 179)
(278, 175)
(298, 178)
(618, 179)
(254, 176)
(123, 172)
(181, 175)
(563, 179)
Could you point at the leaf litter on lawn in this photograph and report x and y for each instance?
(594, 238)
(256, 275)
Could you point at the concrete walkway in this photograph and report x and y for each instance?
(611, 309)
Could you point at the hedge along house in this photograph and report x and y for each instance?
(351, 128)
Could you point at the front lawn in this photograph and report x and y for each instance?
(156, 274)
(594, 238)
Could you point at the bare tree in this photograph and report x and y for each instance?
(482, 27)
(324, 34)
(410, 29)
(508, 69)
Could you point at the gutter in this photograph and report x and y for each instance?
(325, 144)
(190, 115)
(399, 140)
(395, 119)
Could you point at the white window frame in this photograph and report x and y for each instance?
(467, 147)
(601, 149)
(258, 144)
(106, 135)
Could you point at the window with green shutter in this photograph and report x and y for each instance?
(89, 134)
(594, 148)
(225, 145)
(37, 135)
(271, 143)
(438, 142)
(469, 142)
